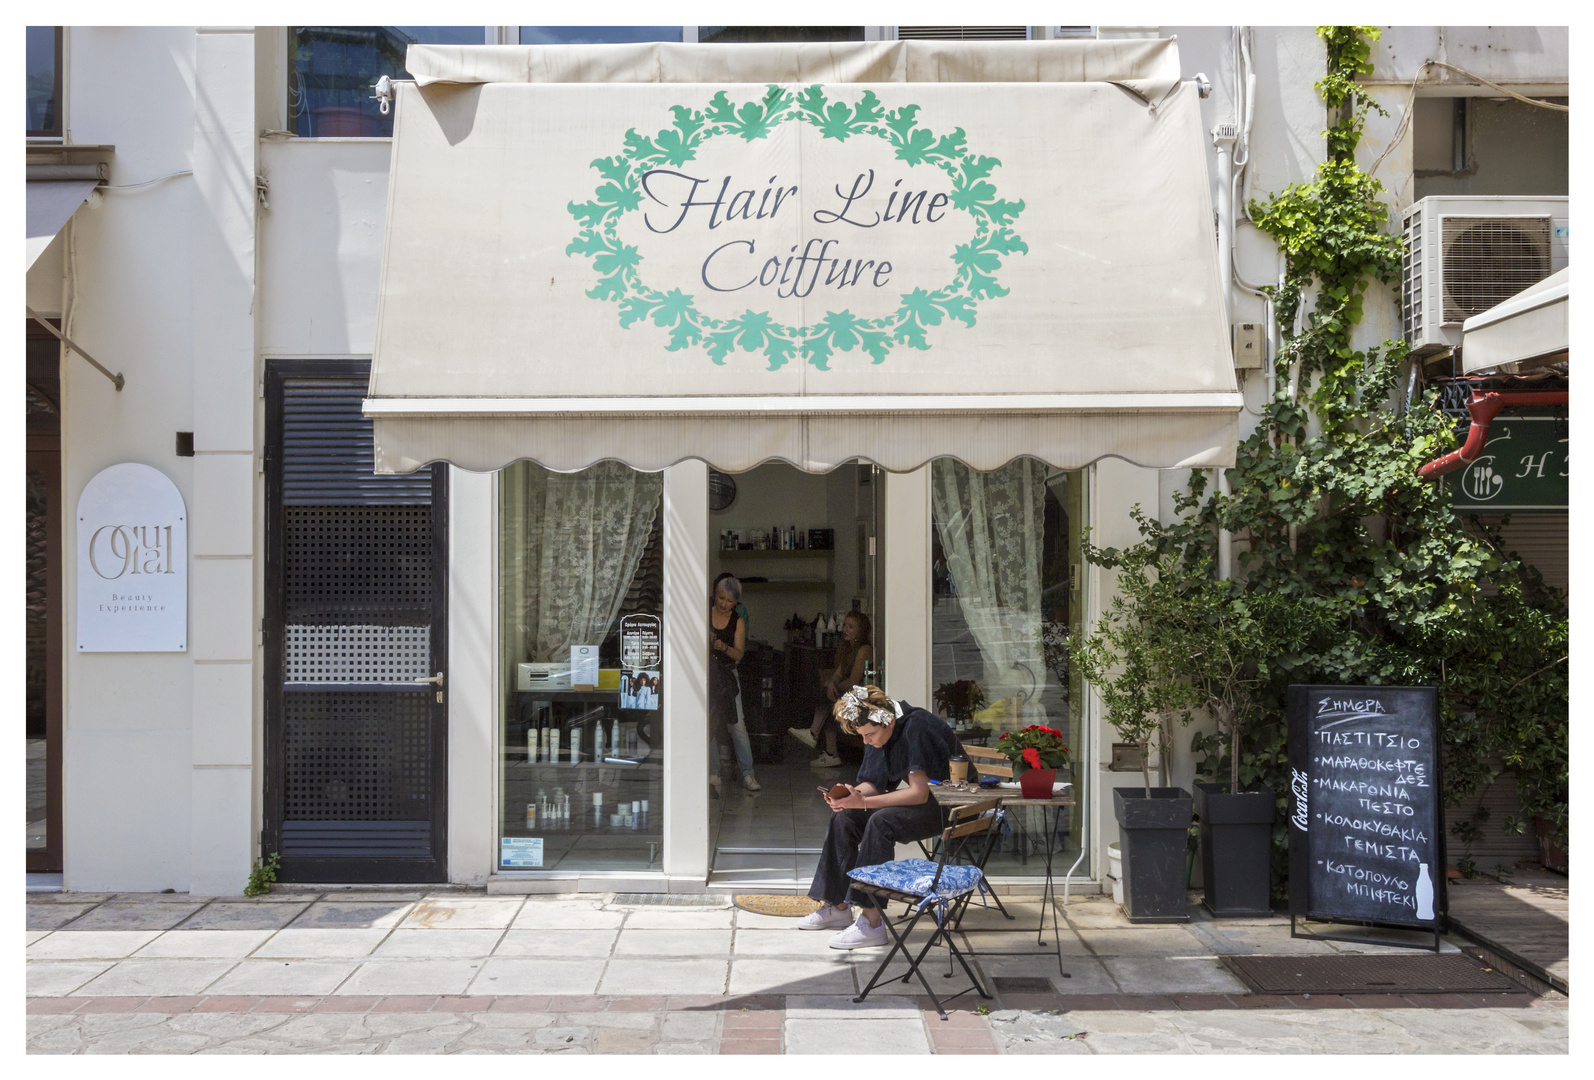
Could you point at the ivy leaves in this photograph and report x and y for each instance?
(975, 264)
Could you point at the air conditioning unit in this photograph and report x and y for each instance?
(1465, 254)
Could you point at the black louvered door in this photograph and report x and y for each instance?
(356, 612)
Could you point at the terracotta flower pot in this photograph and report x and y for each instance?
(1036, 783)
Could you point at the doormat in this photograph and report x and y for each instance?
(1360, 974)
(794, 907)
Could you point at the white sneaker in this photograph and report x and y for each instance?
(860, 935)
(825, 761)
(827, 917)
(804, 736)
(751, 784)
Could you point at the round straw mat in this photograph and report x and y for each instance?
(767, 904)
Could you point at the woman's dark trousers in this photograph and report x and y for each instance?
(868, 838)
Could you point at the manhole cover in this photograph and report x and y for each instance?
(1360, 974)
(1023, 984)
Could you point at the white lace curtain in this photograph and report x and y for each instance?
(569, 544)
(992, 527)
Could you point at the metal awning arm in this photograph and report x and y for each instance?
(69, 343)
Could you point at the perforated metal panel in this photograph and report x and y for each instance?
(354, 569)
(356, 654)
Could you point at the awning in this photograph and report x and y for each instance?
(885, 250)
(51, 204)
(1526, 328)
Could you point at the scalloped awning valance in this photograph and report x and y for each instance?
(882, 250)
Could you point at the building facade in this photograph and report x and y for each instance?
(249, 257)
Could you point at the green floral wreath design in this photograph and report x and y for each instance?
(976, 261)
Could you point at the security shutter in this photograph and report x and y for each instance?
(355, 614)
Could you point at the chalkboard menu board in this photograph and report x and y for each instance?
(1365, 827)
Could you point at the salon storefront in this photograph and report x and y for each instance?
(933, 309)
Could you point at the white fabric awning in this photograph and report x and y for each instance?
(748, 254)
(1532, 325)
(51, 204)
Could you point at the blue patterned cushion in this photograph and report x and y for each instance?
(913, 876)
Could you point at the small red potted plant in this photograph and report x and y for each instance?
(1037, 752)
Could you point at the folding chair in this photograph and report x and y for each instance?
(940, 887)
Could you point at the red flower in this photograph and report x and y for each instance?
(1032, 757)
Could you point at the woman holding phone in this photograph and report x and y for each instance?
(904, 749)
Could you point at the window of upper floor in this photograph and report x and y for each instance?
(332, 73)
(598, 35)
(1489, 146)
(44, 81)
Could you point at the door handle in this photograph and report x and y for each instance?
(437, 681)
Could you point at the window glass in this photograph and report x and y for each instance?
(581, 586)
(44, 80)
(1005, 577)
(332, 73)
(596, 35)
(746, 34)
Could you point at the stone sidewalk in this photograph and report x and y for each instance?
(456, 971)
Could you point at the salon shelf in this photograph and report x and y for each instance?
(777, 553)
(787, 586)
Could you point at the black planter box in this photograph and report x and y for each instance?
(1153, 843)
(1236, 848)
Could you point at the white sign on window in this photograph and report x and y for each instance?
(132, 563)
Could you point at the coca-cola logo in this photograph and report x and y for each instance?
(1299, 790)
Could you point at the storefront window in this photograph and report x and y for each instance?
(596, 35)
(332, 73)
(44, 80)
(581, 750)
(1006, 579)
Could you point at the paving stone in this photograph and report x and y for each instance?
(622, 1041)
(432, 976)
(135, 915)
(566, 915)
(693, 1027)
(158, 978)
(571, 943)
(522, 1021)
(36, 935)
(770, 976)
(561, 1035)
(285, 977)
(1086, 975)
(324, 944)
(665, 974)
(663, 918)
(205, 944)
(463, 914)
(91, 944)
(50, 916)
(1152, 941)
(788, 941)
(430, 1040)
(226, 915)
(877, 1006)
(328, 914)
(516, 975)
(694, 943)
(1150, 975)
(856, 1036)
(636, 1021)
(437, 943)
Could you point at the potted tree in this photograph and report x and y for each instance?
(1227, 642)
(1126, 659)
(959, 701)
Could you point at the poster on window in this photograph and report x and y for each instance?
(641, 662)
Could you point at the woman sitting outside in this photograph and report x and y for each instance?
(904, 749)
(852, 657)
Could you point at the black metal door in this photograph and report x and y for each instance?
(356, 613)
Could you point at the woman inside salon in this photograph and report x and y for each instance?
(904, 749)
(854, 655)
(727, 641)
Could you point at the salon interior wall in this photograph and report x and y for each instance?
(777, 494)
(157, 770)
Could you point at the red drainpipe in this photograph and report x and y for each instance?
(1484, 407)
